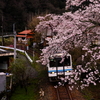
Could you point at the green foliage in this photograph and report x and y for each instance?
(8, 41)
(0, 41)
(91, 92)
(87, 94)
(36, 65)
(32, 86)
(76, 55)
(32, 24)
(2, 94)
(32, 92)
(18, 69)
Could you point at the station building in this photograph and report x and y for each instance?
(24, 38)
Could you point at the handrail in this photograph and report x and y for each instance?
(19, 51)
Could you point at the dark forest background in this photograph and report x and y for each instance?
(21, 11)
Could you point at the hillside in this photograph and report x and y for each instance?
(21, 11)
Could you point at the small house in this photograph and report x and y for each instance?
(25, 37)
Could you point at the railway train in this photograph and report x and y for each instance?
(59, 67)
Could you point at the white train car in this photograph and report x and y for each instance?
(59, 67)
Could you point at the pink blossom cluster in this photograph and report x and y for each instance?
(71, 30)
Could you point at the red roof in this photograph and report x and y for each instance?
(26, 32)
(26, 36)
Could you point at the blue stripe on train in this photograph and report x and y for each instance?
(59, 70)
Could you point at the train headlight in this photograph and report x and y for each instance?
(67, 71)
(53, 72)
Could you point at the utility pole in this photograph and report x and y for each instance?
(2, 32)
(14, 41)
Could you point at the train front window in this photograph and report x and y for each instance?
(67, 61)
(56, 62)
(52, 63)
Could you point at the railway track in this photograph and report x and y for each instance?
(63, 93)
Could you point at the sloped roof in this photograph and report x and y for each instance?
(26, 36)
(26, 32)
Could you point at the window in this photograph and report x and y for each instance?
(67, 61)
(56, 62)
(52, 63)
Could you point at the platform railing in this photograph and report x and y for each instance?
(23, 51)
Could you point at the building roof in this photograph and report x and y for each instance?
(25, 34)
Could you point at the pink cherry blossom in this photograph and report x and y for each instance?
(70, 30)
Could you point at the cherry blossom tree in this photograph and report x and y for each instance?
(74, 29)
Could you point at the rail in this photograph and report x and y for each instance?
(11, 35)
(6, 34)
(63, 93)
